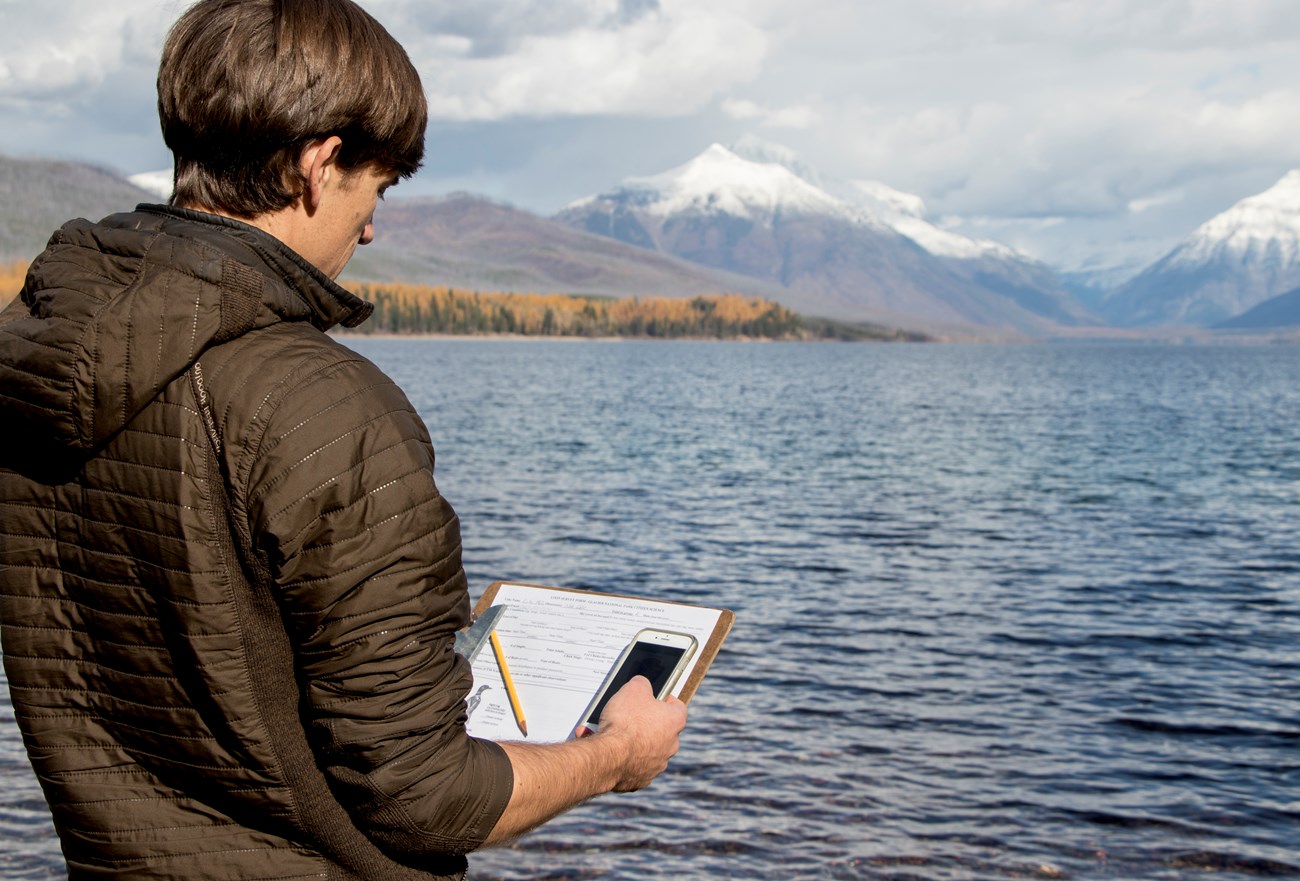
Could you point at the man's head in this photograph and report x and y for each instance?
(245, 86)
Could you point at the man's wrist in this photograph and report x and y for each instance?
(609, 751)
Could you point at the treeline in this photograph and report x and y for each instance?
(419, 309)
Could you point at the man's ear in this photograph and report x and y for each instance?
(319, 163)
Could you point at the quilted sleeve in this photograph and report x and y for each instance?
(341, 502)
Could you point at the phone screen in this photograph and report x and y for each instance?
(654, 662)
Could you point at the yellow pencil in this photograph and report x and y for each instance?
(510, 683)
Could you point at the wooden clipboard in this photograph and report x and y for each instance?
(560, 643)
(709, 645)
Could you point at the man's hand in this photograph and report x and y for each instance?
(637, 737)
(648, 731)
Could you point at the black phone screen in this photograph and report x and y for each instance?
(654, 662)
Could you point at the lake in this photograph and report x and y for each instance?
(1002, 611)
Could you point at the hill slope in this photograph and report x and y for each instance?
(470, 242)
(38, 196)
(1275, 312)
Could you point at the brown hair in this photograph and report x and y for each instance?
(245, 85)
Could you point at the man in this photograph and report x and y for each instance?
(228, 584)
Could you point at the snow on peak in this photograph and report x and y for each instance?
(718, 181)
(1267, 222)
(885, 201)
(755, 179)
(905, 213)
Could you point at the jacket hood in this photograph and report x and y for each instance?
(114, 311)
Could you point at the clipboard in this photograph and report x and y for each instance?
(561, 642)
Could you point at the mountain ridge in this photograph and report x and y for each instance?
(770, 227)
(37, 196)
(763, 220)
(1229, 264)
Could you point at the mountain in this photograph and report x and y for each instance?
(460, 240)
(881, 204)
(37, 196)
(1029, 283)
(906, 213)
(470, 242)
(1275, 312)
(764, 217)
(1091, 281)
(1231, 263)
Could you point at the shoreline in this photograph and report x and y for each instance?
(578, 338)
(1173, 338)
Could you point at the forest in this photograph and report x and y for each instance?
(402, 308)
(420, 309)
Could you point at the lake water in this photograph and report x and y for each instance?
(1003, 612)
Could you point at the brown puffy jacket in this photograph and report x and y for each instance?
(228, 584)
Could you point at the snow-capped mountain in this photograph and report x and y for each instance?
(718, 182)
(1229, 264)
(983, 263)
(763, 215)
(1259, 228)
(879, 202)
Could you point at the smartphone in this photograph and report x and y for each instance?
(658, 655)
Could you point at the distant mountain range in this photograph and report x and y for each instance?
(754, 219)
(766, 220)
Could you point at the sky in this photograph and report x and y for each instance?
(1082, 132)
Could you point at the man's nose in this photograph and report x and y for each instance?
(367, 234)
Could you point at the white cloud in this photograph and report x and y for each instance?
(793, 117)
(59, 50)
(1105, 26)
(592, 58)
(1139, 206)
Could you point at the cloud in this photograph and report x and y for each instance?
(1097, 26)
(1139, 206)
(53, 53)
(1053, 128)
(635, 57)
(794, 117)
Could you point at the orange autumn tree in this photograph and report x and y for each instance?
(408, 308)
(12, 276)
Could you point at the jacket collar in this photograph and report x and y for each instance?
(329, 302)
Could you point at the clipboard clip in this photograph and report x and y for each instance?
(470, 641)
